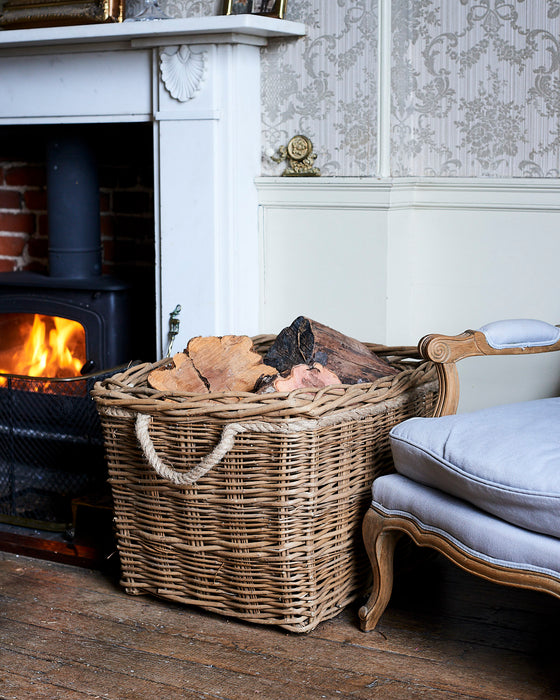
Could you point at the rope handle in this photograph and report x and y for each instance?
(229, 432)
(203, 467)
(225, 444)
(226, 441)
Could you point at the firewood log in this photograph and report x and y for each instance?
(212, 364)
(308, 342)
(300, 376)
(227, 363)
(180, 376)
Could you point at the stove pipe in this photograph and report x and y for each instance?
(73, 207)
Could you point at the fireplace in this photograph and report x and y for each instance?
(195, 85)
(51, 445)
(84, 231)
(74, 287)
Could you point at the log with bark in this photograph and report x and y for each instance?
(305, 354)
(308, 342)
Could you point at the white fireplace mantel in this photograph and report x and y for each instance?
(197, 80)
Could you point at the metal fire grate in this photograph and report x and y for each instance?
(51, 448)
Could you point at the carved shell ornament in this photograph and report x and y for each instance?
(182, 71)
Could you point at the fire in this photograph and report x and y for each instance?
(49, 346)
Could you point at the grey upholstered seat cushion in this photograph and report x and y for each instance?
(505, 460)
(470, 529)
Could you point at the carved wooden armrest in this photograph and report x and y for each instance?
(510, 337)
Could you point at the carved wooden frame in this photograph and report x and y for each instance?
(381, 534)
(447, 350)
(381, 531)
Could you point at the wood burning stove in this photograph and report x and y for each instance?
(74, 287)
(51, 446)
(100, 305)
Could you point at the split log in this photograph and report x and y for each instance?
(180, 375)
(301, 376)
(228, 363)
(212, 364)
(308, 342)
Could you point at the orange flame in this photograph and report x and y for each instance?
(51, 347)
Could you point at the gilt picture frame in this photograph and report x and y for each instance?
(267, 8)
(26, 14)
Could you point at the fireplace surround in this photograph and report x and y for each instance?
(197, 82)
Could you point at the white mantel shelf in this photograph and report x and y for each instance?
(250, 29)
(197, 82)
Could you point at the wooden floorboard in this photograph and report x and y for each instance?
(71, 633)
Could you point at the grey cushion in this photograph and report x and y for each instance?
(520, 333)
(505, 460)
(470, 529)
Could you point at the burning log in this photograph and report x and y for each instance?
(38, 345)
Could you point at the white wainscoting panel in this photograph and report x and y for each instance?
(392, 260)
(324, 253)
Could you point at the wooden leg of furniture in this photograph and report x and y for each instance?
(380, 546)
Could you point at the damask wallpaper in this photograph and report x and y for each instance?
(475, 86)
(179, 8)
(325, 86)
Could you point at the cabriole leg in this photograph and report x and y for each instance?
(380, 546)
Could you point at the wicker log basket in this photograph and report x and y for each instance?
(251, 505)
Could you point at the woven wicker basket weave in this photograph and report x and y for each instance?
(269, 528)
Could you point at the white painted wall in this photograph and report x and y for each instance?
(323, 254)
(390, 261)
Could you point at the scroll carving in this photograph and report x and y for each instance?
(442, 348)
(182, 71)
